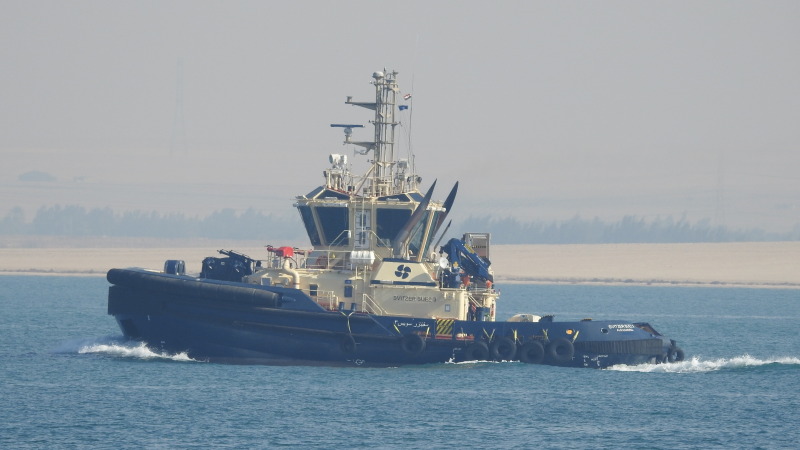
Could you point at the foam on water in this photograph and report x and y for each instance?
(119, 347)
(698, 365)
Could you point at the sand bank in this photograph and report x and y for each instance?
(755, 264)
(762, 264)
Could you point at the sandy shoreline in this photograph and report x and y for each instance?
(749, 264)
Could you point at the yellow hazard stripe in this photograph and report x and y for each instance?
(444, 326)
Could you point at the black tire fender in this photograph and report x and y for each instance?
(412, 344)
(476, 351)
(675, 355)
(531, 352)
(560, 350)
(503, 349)
(348, 344)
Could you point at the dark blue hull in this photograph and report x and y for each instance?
(249, 324)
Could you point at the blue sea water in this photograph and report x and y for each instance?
(69, 380)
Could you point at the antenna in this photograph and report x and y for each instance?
(348, 130)
(386, 175)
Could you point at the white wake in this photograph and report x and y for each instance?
(120, 348)
(698, 365)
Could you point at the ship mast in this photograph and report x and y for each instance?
(381, 210)
(386, 176)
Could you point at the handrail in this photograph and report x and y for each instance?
(326, 299)
(370, 306)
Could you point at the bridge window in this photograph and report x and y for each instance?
(417, 233)
(334, 221)
(388, 223)
(308, 221)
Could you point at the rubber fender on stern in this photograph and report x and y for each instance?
(412, 344)
(531, 352)
(675, 355)
(476, 351)
(348, 344)
(503, 349)
(560, 350)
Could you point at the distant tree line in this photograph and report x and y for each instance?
(630, 229)
(254, 225)
(78, 221)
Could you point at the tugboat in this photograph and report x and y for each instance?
(377, 289)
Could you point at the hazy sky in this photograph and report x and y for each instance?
(542, 110)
